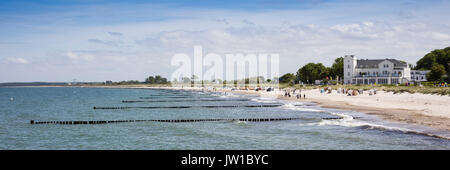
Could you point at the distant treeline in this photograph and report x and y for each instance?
(149, 80)
(33, 84)
(18, 84)
(315, 71)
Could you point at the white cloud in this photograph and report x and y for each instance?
(306, 43)
(115, 33)
(18, 60)
(79, 57)
(439, 36)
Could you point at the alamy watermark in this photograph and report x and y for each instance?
(233, 70)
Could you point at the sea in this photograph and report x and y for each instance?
(223, 121)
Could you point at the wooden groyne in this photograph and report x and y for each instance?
(168, 95)
(174, 97)
(187, 100)
(168, 121)
(183, 107)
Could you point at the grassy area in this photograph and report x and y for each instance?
(388, 88)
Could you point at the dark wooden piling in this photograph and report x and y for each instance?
(183, 107)
(171, 120)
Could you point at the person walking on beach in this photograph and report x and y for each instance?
(304, 96)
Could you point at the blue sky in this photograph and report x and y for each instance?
(100, 40)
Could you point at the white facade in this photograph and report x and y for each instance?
(419, 75)
(349, 68)
(380, 71)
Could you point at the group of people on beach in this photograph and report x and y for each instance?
(287, 93)
(349, 92)
(443, 84)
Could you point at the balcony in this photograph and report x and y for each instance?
(377, 76)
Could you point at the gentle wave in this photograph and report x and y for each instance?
(259, 100)
(290, 106)
(349, 121)
(240, 122)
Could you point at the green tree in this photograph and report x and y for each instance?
(311, 72)
(150, 80)
(435, 57)
(426, 62)
(436, 73)
(287, 78)
(156, 80)
(326, 73)
(160, 80)
(337, 69)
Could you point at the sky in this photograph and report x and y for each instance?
(99, 40)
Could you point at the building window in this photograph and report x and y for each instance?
(360, 81)
(382, 81)
(394, 81)
(348, 66)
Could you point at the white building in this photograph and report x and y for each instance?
(380, 71)
(419, 75)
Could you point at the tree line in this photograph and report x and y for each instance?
(438, 62)
(149, 80)
(316, 71)
(156, 80)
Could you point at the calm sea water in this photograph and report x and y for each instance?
(355, 131)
